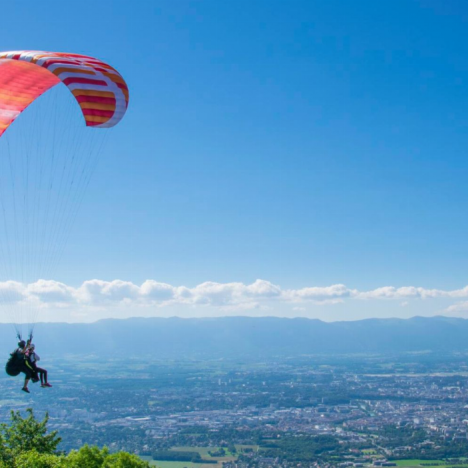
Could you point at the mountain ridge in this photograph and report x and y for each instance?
(226, 337)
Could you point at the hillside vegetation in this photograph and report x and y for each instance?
(26, 443)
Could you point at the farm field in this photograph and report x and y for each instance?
(180, 464)
(369, 451)
(172, 464)
(203, 451)
(240, 447)
(430, 463)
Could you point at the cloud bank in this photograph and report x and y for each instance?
(261, 294)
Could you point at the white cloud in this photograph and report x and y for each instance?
(11, 291)
(212, 297)
(458, 307)
(390, 292)
(96, 292)
(46, 291)
(319, 294)
(157, 291)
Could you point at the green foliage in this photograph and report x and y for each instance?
(25, 443)
(40, 460)
(87, 457)
(28, 434)
(124, 460)
(93, 457)
(6, 457)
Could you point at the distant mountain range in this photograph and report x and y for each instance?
(243, 337)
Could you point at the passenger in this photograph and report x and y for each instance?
(34, 359)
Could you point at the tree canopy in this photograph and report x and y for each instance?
(26, 442)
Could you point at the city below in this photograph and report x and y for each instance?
(408, 409)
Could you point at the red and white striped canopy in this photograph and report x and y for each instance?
(99, 89)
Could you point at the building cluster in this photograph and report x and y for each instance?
(363, 409)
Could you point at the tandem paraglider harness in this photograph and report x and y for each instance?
(15, 364)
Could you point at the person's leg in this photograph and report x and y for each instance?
(38, 372)
(25, 386)
(43, 374)
(46, 384)
(27, 376)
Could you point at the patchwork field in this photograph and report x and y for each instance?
(204, 453)
(430, 463)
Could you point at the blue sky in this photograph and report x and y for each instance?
(303, 143)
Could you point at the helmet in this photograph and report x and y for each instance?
(32, 346)
(22, 344)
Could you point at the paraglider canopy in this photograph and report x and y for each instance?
(47, 159)
(98, 88)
